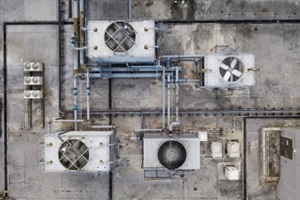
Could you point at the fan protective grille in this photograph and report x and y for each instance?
(172, 154)
(231, 69)
(73, 154)
(120, 36)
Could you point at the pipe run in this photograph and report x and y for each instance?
(103, 126)
(169, 99)
(88, 102)
(164, 98)
(147, 130)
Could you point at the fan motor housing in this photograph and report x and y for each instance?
(156, 154)
(229, 70)
(121, 41)
(93, 152)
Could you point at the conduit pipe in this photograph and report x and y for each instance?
(81, 32)
(177, 94)
(147, 130)
(76, 34)
(164, 98)
(169, 99)
(88, 103)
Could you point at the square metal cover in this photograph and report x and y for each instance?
(286, 147)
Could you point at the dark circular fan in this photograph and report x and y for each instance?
(171, 154)
(231, 69)
(119, 36)
(73, 154)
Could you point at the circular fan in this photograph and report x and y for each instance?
(73, 154)
(231, 69)
(119, 36)
(171, 154)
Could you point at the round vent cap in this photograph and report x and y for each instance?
(231, 69)
(171, 154)
(119, 36)
(73, 154)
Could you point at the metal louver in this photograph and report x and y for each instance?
(73, 154)
(119, 36)
(172, 154)
(231, 69)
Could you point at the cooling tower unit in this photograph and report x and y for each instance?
(229, 70)
(121, 41)
(78, 151)
(180, 152)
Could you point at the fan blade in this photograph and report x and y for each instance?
(223, 66)
(227, 76)
(236, 73)
(233, 63)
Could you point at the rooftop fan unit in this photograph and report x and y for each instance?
(121, 41)
(229, 70)
(78, 151)
(180, 152)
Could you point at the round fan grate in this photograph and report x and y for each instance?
(73, 154)
(119, 36)
(231, 69)
(171, 154)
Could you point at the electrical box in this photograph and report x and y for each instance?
(216, 149)
(202, 136)
(232, 173)
(233, 149)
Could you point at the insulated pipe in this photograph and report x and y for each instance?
(164, 98)
(129, 75)
(147, 130)
(104, 127)
(81, 32)
(169, 99)
(75, 107)
(67, 120)
(177, 95)
(88, 96)
(76, 34)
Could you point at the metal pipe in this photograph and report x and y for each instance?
(88, 95)
(81, 49)
(75, 106)
(177, 95)
(76, 33)
(148, 130)
(164, 98)
(129, 75)
(67, 120)
(81, 32)
(172, 125)
(182, 56)
(129, 9)
(100, 126)
(169, 100)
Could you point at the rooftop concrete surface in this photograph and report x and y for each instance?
(276, 49)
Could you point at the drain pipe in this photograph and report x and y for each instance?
(169, 99)
(88, 96)
(177, 95)
(164, 98)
